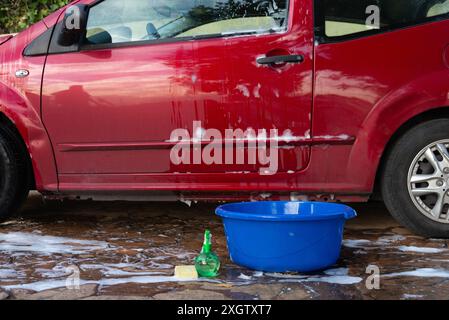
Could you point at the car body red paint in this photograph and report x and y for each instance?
(99, 121)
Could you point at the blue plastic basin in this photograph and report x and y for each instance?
(282, 236)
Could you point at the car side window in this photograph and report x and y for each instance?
(118, 21)
(351, 17)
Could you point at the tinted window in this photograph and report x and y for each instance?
(139, 20)
(346, 17)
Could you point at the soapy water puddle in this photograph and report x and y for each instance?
(132, 249)
(44, 248)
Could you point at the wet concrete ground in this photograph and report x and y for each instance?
(129, 250)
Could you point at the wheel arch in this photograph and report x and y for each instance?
(23, 118)
(428, 115)
(426, 97)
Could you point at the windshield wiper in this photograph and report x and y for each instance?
(236, 33)
(247, 32)
(171, 22)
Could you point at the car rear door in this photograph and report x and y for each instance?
(236, 89)
(278, 96)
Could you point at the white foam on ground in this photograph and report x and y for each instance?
(407, 296)
(244, 277)
(345, 280)
(8, 273)
(420, 249)
(386, 240)
(356, 244)
(286, 276)
(337, 272)
(56, 284)
(42, 285)
(56, 272)
(46, 245)
(336, 276)
(110, 270)
(367, 244)
(333, 276)
(422, 273)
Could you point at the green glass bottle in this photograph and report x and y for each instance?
(207, 264)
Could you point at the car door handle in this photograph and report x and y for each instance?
(294, 58)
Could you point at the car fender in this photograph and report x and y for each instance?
(26, 119)
(424, 94)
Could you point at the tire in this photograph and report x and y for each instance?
(14, 173)
(409, 175)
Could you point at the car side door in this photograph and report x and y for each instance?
(148, 68)
(111, 106)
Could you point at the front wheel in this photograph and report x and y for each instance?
(415, 182)
(14, 173)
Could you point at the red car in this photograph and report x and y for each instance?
(329, 100)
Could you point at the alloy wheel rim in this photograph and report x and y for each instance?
(428, 181)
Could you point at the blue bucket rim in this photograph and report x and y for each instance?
(341, 212)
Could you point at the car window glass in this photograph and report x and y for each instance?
(438, 9)
(346, 17)
(117, 21)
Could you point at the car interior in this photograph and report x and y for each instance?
(352, 19)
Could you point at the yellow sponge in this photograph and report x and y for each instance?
(186, 272)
